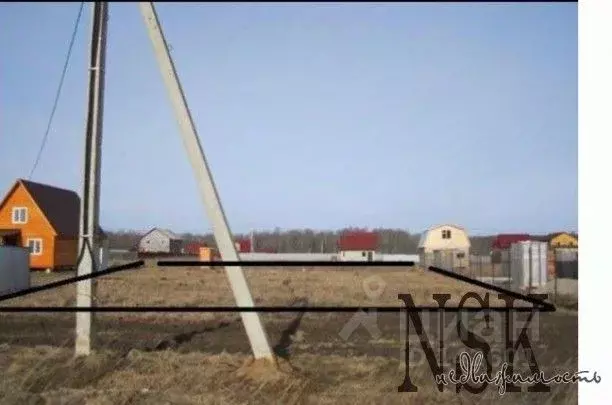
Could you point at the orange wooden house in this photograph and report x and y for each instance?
(45, 219)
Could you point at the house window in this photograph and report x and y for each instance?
(363, 254)
(20, 215)
(460, 255)
(446, 234)
(35, 246)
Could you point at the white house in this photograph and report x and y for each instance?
(160, 241)
(446, 246)
(357, 246)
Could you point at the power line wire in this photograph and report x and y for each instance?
(59, 88)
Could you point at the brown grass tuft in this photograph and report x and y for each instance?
(266, 370)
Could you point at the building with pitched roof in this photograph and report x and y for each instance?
(446, 246)
(357, 246)
(563, 240)
(45, 219)
(159, 240)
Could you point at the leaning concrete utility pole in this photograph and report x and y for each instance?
(90, 199)
(223, 236)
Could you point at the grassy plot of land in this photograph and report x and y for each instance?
(51, 376)
(169, 286)
(200, 358)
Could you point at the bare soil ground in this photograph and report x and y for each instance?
(202, 358)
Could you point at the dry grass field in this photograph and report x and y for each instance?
(203, 358)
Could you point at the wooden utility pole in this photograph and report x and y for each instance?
(90, 199)
(223, 236)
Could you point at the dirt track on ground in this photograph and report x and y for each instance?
(317, 333)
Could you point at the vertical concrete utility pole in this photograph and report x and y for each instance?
(252, 323)
(90, 199)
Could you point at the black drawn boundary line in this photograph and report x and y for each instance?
(60, 283)
(488, 286)
(281, 263)
(272, 309)
(540, 305)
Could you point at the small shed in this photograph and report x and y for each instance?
(357, 246)
(159, 240)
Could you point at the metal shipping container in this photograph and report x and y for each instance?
(529, 258)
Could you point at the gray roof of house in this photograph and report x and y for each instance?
(61, 207)
(171, 234)
(166, 232)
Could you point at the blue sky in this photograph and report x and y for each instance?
(311, 116)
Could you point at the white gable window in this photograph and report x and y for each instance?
(20, 215)
(36, 246)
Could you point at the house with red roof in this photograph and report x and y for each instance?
(500, 251)
(357, 246)
(504, 241)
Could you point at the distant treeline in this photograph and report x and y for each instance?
(305, 240)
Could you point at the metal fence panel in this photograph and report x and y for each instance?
(14, 269)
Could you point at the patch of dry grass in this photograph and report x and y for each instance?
(45, 375)
(171, 286)
(52, 376)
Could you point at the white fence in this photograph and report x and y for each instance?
(389, 257)
(14, 269)
(323, 257)
(451, 259)
(313, 257)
